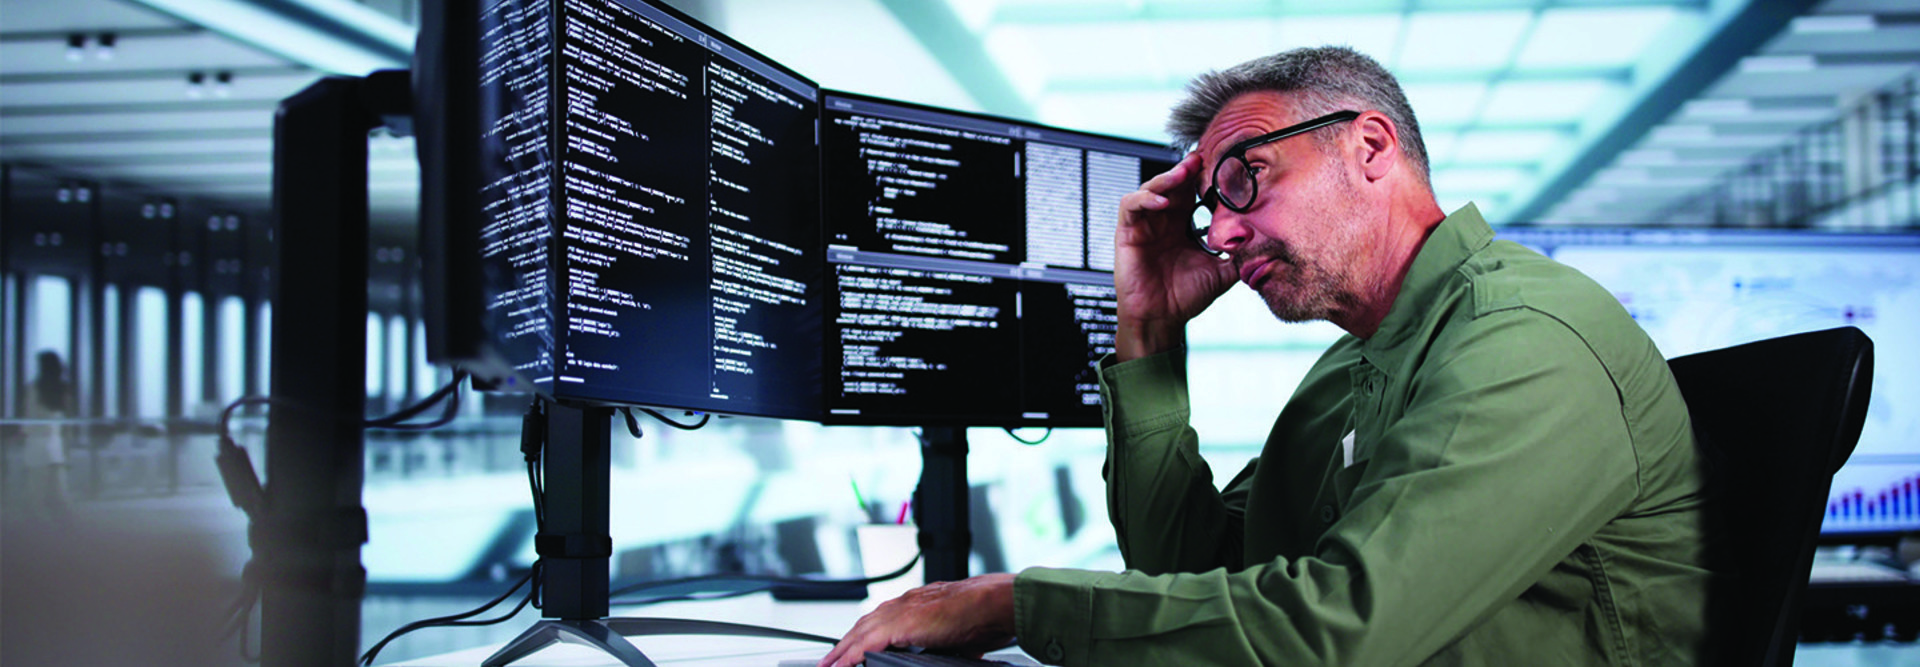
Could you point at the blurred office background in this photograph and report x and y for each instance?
(136, 137)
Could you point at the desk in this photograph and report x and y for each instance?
(830, 619)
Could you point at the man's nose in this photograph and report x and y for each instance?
(1228, 231)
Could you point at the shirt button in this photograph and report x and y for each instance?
(1326, 514)
(1054, 652)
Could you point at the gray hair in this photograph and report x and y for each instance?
(1321, 80)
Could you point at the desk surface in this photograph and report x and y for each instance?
(831, 619)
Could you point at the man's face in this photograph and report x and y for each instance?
(1301, 243)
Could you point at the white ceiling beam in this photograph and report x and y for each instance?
(333, 36)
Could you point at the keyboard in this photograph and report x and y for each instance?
(904, 659)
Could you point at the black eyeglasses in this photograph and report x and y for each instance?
(1236, 183)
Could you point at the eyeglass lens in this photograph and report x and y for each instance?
(1233, 186)
(1202, 220)
(1234, 180)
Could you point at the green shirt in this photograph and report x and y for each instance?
(1523, 489)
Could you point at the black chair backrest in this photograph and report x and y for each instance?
(1776, 418)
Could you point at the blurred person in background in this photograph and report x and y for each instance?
(50, 396)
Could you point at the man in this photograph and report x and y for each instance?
(1495, 467)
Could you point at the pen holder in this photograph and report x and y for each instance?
(884, 547)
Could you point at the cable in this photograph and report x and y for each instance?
(633, 425)
(411, 411)
(247, 493)
(460, 618)
(1018, 439)
(704, 418)
(770, 579)
(449, 393)
(697, 597)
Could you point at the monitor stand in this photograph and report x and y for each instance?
(576, 549)
(940, 503)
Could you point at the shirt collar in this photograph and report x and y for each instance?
(1456, 238)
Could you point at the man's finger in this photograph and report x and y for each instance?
(1170, 179)
(1143, 200)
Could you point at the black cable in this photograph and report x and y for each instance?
(704, 418)
(697, 597)
(633, 425)
(411, 411)
(446, 416)
(770, 579)
(1018, 439)
(460, 618)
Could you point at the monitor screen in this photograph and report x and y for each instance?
(657, 194)
(1695, 291)
(969, 264)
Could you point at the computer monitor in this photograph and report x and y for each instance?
(649, 211)
(1698, 290)
(969, 264)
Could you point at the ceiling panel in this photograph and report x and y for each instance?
(1883, 38)
(180, 119)
(1586, 37)
(1225, 41)
(1832, 80)
(168, 86)
(1567, 100)
(96, 150)
(1461, 40)
(24, 16)
(182, 52)
(1507, 146)
(1377, 35)
(1446, 104)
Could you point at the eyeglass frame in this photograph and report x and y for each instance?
(1212, 198)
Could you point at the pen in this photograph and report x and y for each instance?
(864, 509)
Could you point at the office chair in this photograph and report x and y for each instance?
(1775, 418)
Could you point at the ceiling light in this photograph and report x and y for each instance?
(196, 85)
(107, 42)
(1648, 157)
(1832, 24)
(1682, 133)
(1720, 108)
(76, 47)
(223, 84)
(1775, 64)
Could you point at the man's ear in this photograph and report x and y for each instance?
(1379, 145)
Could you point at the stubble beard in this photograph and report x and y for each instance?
(1308, 284)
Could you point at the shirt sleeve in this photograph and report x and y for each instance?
(1511, 452)
(1166, 512)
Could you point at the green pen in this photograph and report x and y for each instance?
(864, 509)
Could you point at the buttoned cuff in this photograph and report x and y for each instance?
(1053, 614)
(1146, 394)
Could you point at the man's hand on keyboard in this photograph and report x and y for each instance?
(970, 616)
